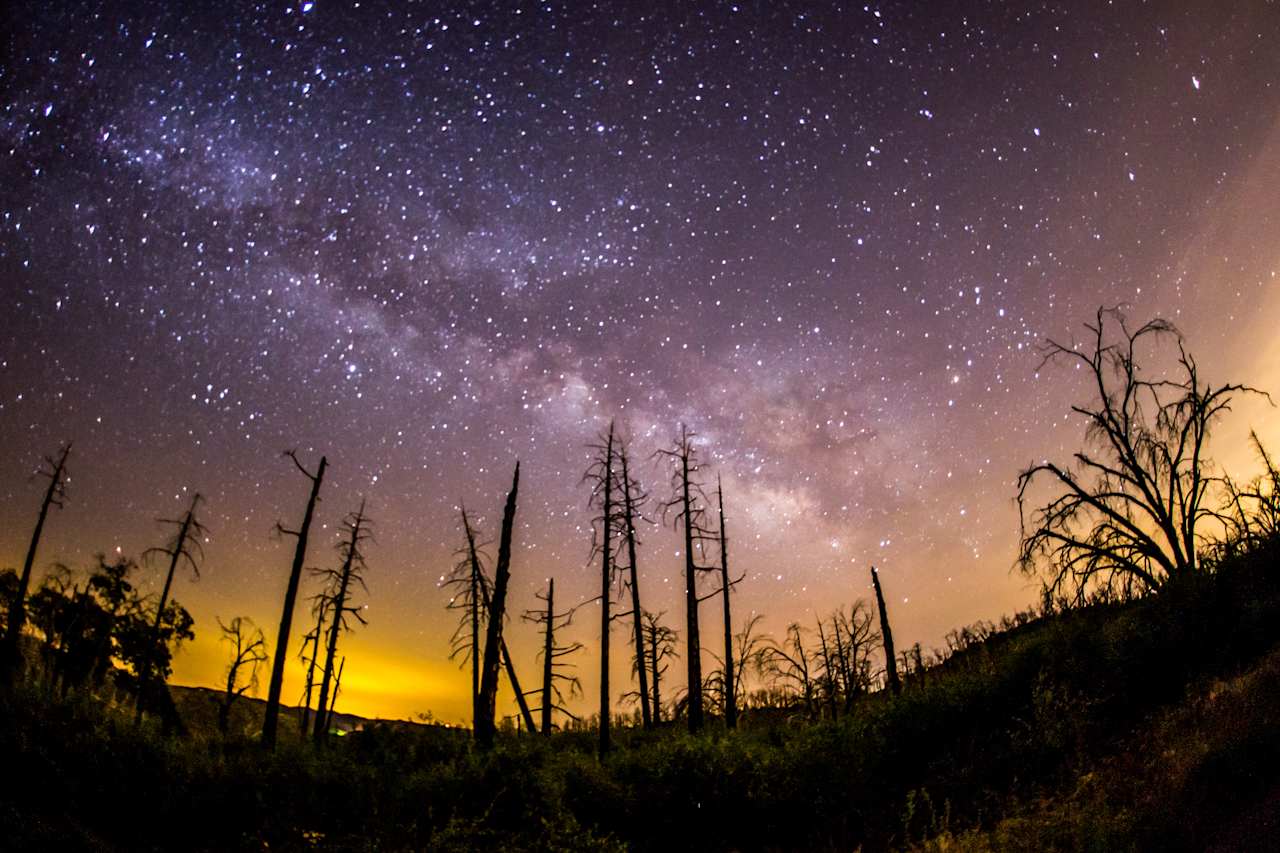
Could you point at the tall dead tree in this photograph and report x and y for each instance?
(600, 475)
(485, 727)
(633, 498)
(553, 655)
(730, 693)
(686, 509)
(470, 587)
(271, 717)
(789, 663)
(521, 702)
(890, 662)
(248, 650)
(339, 583)
(183, 548)
(55, 469)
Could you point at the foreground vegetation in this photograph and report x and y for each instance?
(1103, 727)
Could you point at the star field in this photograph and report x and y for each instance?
(428, 239)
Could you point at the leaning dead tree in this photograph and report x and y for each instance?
(55, 470)
(270, 719)
(485, 727)
(248, 652)
(633, 501)
(183, 548)
(1125, 514)
(686, 509)
(553, 658)
(339, 584)
(890, 662)
(602, 478)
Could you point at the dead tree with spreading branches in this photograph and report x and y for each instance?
(552, 697)
(339, 584)
(248, 652)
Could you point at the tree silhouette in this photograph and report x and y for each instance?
(338, 587)
(686, 509)
(553, 655)
(633, 500)
(730, 679)
(55, 470)
(1125, 516)
(791, 664)
(470, 587)
(890, 662)
(270, 719)
(319, 604)
(485, 728)
(183, 548)
(603, 481)
(248, 650)
(659, 645)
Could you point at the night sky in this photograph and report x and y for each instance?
(427, 242)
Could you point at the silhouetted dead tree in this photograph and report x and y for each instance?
(790, 664)
(659, 645)
(337, 688)
(338, 585)
(686, 509)
(521, 702)
(248, 650)
(748, 648)
(470, 593)
(602, 478)
(553, 658)
(730, 695)
(828, 673)
(319, 604)
(55, 469)
(271, 717)
(855, 637)
(890, 662)
(485, 727)
(183, 548)
(633, 500)
(1126, 516)
(1251, 515)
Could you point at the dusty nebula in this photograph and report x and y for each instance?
(427, 242)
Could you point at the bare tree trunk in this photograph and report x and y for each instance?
(606, 589)
(12, 654)
(890, 662)
(629, 509)
(826, 671)
(485, 728)
(339, 602)
(337, 686)
(657, 674)
(179, 550)
(691, 602)
(311, 669)
(730, 697)
(548, 652)
(271, 717)
(477, 594)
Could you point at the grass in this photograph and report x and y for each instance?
(1147, 725)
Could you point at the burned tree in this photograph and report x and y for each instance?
(603, 480)
(1125, 517)
(312, 637)
(270, 720)
(828, 672)
(686, 509)
(248, 651)
(338, 587)
(730, 680)
(183, 548)
(470, 586)
(855, 637)
(659, 644)
(553, 655)
(633, 500)
(890, 662)
(485, 728)
(748, 649)
(790, 664)
(55, 469)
